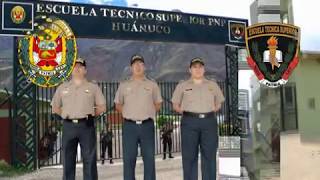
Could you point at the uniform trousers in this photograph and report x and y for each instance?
(85, 135)
(133, 136)
(199, 133)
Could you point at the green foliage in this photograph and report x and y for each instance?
(9, 171)
(162, 119)
(223, 129)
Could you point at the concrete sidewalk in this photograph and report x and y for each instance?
(299, 160)
(170, 169)
(166, 169)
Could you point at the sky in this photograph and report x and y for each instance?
(310, 36)
(308, 23)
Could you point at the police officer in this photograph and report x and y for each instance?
(197, 99)
(138, 99)
(77, 102)
(167, 130)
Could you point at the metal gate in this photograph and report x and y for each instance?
(36, 134)
(50, 128)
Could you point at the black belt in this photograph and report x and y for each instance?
(138, 121)
(198, 115)
(76, 121)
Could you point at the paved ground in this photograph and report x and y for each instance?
(299, 161)
(169, 169)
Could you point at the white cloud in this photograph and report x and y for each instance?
(61, 0)
(96, 1)
(306, 17)
(230, 8)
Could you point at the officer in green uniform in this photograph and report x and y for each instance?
(78, 102)
(197, 99)
(138, 99)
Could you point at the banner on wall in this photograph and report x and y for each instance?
(110, 22)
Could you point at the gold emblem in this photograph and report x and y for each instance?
(18, 14)
(47, 56)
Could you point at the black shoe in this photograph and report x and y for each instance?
(102, 161)
(170, 156)
(111, 162)
(164, 157)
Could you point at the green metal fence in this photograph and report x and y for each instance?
(49, 133)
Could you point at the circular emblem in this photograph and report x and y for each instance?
(47, 55)
(18, 14)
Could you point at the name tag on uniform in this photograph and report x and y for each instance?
(87, 91)
(65, 92)
(147, 89)
(188, 89)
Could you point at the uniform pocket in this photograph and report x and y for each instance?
(147, 90)
(66, 97)
(65, 93)
(210, 96)
(127, 91)
(188, 95)
(89, 96)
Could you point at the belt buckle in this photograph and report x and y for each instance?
(138, 122)
(202, 115)
(75, 121)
